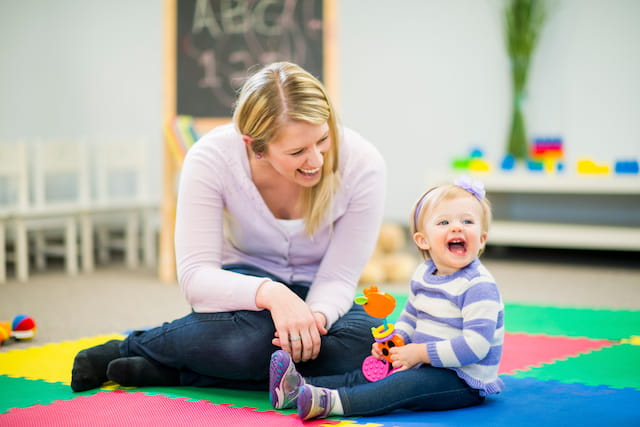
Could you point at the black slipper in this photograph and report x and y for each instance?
(90, 365)
(139, 372)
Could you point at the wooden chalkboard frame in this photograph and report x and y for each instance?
(171, 165)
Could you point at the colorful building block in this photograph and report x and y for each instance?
(479, 165)
(627, 167)
(589, 167)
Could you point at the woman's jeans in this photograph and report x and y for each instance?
(233, 349)
(425, 388)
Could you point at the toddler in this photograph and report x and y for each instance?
(452, 324)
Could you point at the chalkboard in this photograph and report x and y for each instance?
(219, 42)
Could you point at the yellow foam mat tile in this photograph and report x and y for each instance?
(351, 423)
(50, 362)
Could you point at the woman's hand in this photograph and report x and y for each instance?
(407, 356)
(298, 329)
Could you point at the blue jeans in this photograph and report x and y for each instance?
(233, 349)
(422, 389)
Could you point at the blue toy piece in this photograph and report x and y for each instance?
(508, 163)
(627, 167)
(535, 166)
(476, 153)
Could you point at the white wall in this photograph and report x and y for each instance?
(427, 80)
(82, 69)
(423, 79)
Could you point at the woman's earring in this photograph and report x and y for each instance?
(258, 156)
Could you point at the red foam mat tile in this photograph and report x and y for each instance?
(523, 351)
(140, 409)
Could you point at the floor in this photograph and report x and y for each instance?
(557, 360)
(114, 299)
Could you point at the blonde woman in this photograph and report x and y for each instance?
(277, 216)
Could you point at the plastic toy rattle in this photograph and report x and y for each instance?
(23, 327)
(379, 304)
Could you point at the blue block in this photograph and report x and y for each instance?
(627, 166)
(535, 166)
(476, 153)
(508, 162)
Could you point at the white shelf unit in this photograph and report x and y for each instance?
(561, 210)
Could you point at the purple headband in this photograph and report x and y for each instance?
(474, 187)
(416, 213)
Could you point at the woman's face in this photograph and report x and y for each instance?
(297, 152)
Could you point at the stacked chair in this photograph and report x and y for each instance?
(75, 201)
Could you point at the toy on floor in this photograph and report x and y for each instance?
(379, 304)
(23, 327)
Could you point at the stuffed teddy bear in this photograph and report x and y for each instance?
(390, 263)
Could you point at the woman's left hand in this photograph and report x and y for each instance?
(296, 325)
(321, 321)
(407, 356)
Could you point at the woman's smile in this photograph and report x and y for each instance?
(309, 173)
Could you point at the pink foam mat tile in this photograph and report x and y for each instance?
(117, 407)
(524, 351)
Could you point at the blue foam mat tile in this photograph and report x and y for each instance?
(530, 402)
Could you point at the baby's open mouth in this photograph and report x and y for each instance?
(457, 246)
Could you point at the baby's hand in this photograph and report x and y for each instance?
(407, 356)
(376, 352)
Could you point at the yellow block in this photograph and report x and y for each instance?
(479, 165)
(588, 166)
(51, 362)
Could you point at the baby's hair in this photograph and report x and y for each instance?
(439, 193)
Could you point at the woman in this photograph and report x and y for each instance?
(277, 215)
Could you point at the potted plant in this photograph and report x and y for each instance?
(523, 20)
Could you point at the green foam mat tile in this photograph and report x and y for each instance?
(21, 393)
(573, 322)
(615, 366)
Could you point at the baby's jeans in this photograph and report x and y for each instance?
(425, 388)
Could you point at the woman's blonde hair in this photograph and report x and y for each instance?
(437, 194)
(276, 94)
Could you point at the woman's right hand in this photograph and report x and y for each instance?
(296, 326)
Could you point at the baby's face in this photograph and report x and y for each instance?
(452, 233)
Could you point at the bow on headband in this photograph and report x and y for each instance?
(474, 187)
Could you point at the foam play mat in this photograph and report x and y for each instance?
(561, 366)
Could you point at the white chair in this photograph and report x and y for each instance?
(14, 198)
(60, 183)
(123, 213)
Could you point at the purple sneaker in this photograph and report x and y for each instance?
(284, 381)
(314, 402)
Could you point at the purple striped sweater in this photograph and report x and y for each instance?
(460, 318)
